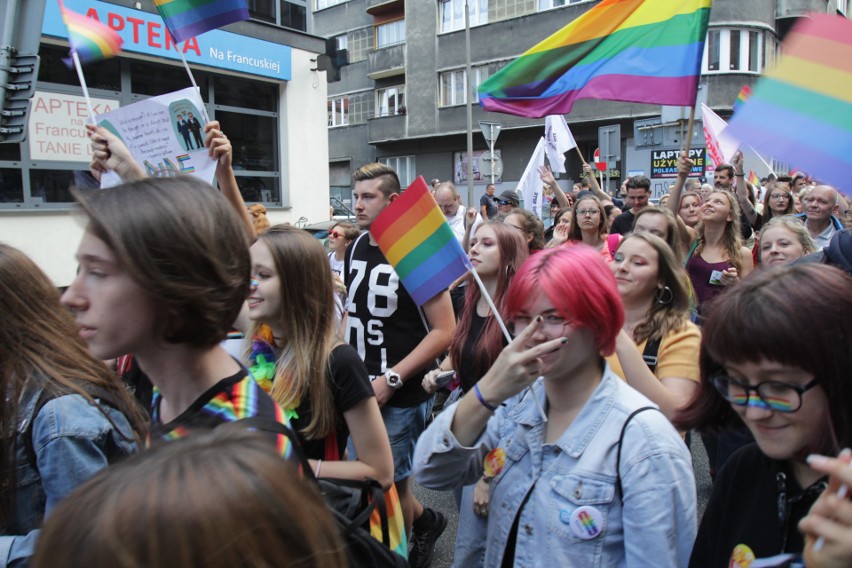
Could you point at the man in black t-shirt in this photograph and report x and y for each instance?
(390, 333)
(488, 203)
(638, 193)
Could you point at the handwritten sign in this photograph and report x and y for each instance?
(165, 134)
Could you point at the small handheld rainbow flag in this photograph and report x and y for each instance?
(753, 179)
(640, 51)
(414, 236)
(801, 111)
(90, 39)
(189, 18)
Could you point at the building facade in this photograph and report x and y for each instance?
(401, 99)
(258, 78)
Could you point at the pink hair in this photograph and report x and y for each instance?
(580, 286)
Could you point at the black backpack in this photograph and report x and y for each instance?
(351, 503)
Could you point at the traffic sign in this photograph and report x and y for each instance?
(601, 166)
(490, 164)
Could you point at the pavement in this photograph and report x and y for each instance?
(445, 502)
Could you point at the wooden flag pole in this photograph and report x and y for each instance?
(689, 128)
(503, 328)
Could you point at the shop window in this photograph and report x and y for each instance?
(11, 185)
(52, 186)
(259, 189)
(237, 92)
(253, 139)
(10, 152)
(104, 74)
(152, 80)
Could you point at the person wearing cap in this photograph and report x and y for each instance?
(507, 201)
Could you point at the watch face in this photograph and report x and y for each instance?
(394, 380)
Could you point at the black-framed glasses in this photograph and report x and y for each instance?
(768, 395)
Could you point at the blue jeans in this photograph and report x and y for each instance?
(404, 426)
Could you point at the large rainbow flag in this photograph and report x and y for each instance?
(801, 110)
(189, 18)
(414, 236)
(90, 39)
(640, 51)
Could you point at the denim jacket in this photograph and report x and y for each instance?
(72, 441)
(574, 515)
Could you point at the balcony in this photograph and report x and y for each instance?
(387, 128)
(378, 7)
(386, 62)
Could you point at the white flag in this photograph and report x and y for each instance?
(530, 185)
(720, 146)
(558, 140)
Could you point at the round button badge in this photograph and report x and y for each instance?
(586, 522)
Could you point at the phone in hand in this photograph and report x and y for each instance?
(443, 378)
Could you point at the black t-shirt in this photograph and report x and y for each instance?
(349, 386)
(467, 370)
(623, 224)
(744, 509)
(490, 203)
(384, 323)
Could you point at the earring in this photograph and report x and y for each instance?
(664, 295)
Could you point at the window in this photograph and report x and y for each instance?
(451, 84)
(263, 10)
(338, 111)
(404, 168)
(736, 50)
(360, 42)
(151, 79)
(452, 14)
(390, 101)
(322, 4)
(360, 107)
(105, 74)
(547, 4)
(293, 16)
(390, 33)
(342, 42)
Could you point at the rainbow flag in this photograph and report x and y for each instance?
(641, 51)
(742, 97)
(753, 179)
(801, 110)
(414, 236)
(189, 18)
(90, 39)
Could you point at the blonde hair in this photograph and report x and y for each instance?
(732, 239)
(793, 225)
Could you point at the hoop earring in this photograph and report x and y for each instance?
(661, 296)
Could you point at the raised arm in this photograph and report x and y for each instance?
(593, 184)
(110, 153)
(219, 148)
(546, 176)
(742, 188)
(684, 166)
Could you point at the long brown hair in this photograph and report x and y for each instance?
(513, 252)
(575, 234)
(732, 239)
(663, 318)
(307, 324)
(215, 500)
(784, 187)
(39, 341)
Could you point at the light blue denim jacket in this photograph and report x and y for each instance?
(653, 525)
(72, 440)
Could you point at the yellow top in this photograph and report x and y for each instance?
(677, 356)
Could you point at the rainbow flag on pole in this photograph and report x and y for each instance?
(640, 51)
(90, 39)
(189, 18)
(742, 97)
(753, 179)
(414, 236)
(801, 111)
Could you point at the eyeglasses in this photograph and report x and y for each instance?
(589, 212)
(503, 202)
(768, 395)
(552, 324)
(335, 234)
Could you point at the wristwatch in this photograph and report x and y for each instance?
(393, 379)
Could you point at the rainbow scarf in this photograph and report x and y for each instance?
(90, 39)
(640, 51)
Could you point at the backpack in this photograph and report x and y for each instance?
(351, 503)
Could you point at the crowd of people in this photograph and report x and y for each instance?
(573, 368)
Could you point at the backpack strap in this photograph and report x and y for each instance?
(649, 354)
(689, 254)
(618, 486)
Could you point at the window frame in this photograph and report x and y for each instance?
(719, 44)
(399, 101)
(478, 17)
(393, 24)
(343, 100)
(407, 177)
